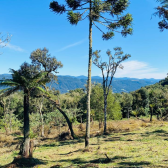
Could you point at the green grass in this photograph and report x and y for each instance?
(144, 147)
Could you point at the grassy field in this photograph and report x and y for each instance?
(130, 143)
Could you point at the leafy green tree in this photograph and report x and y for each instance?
(42, 59)
(96, 11)
(96, 102)
(113, 107)
(127, 101)
(110, 70)
(153, 103)
(162, 12)
(141, 101)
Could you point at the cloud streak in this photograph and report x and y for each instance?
(14, 47)
(71, 45)
(140, 70)
(137, 69)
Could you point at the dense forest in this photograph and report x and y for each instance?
(148, 101)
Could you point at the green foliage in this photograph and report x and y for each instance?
(162, 12)
(15, 122)
(1, 112)
(43, 60)
(119, 6)
(74, 17)
(54, 6)
(97, 104)
(55, 118)
(141, 101)
(35, 120)
(108, 35)
(74, 4)
(135, 113)
(71, 99)
(32, 134)
(97, 10)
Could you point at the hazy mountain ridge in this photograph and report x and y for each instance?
(66, 83)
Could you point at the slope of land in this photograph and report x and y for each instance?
(130, 143)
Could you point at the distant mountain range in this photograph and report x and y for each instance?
(66, 83)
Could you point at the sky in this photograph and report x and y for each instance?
(33, 25)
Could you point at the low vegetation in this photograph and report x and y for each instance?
(129, 143)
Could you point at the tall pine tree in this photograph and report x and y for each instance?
(97, 11)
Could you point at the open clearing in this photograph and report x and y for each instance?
(130, 143)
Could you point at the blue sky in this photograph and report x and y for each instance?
(32, 25)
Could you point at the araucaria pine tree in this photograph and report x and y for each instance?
(108, 13)
(162, 12)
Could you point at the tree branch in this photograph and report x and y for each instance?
(98, 27)
(107, 26)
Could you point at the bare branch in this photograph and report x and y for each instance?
(98, 27)
(4, 40)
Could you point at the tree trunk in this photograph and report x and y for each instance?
(128, 113)
(67, 120)
(81, 119)
(161, 114)
(25, 152)
(10, 117)
(105, 113)
(151, 114)
(10, 121)
(89, 80)
(5, 122)
(42, 122)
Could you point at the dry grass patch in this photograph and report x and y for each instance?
(140, 146)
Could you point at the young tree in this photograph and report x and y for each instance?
(96, 11)
(162, 12)
(97, 104)
(108, 71)
(7, 114)
(38, 102)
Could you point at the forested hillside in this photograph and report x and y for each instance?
(66, 83)
(119, 84)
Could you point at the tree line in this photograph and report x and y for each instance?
(148, 101)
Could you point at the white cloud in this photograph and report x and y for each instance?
(71, 45)
(14, 47)
(137, 69)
